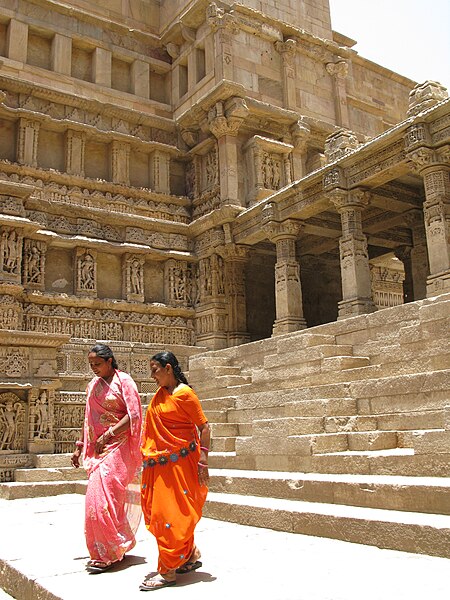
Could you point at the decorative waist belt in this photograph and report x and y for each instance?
(164, 458)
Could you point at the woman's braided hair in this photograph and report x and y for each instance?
(168, 358)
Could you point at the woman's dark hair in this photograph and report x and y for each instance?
(168, 358)
(105, 352)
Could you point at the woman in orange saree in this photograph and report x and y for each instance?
(111, 456)
(175, 444)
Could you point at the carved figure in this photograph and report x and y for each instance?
(87, 279)
(34, 264)
(9, 419)
(136, 276)
(42, 422)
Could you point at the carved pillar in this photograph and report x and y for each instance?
(11, 241)
(224, 27)
(120, 162)
(288, 51)
(160, 172)
(62, 54)
(34, 252)
(418, 255)
(300, 133)
(404, 254)
(75, 146)
(339, 72)
(27, 142)
(432, 165)
(85, 272)
(288, 291)
(354, 256)
(224, 123)
(235, 261)
(133, 277)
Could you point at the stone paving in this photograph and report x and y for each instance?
(43, 553)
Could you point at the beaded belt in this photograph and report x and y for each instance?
(163, 459)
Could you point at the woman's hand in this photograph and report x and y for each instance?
(203, 473)
(101, 442)
(75, 459)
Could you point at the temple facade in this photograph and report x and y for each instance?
(195, 175)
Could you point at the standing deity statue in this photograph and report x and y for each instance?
(42, 422)
(9, 424)
(136, 276)
(87, 275)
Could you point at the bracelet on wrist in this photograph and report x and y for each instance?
(111, 432)
(203, 448)
(79, 444)
(202, 465)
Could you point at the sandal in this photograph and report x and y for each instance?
(188, 567)
(155, 583)
(98, 566)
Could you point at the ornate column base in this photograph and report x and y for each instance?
(236, 338)
(288, 325)
(212, 341)
(355, 307)
(439, 283)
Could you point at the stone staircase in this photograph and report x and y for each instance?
(341, 431)
(326, 437)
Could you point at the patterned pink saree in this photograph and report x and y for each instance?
(112, 497)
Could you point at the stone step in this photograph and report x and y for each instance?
(404, 531)
(288, 358)
(224, 430)
(16, 490)
(220, 403)
(216, 416)
(49, 474)
(223, 444)
(416, 494)
(52, 461)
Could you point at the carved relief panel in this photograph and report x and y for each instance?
(133, 277)
(10, 254)
(85, 272)
(34, 264)
(179, 283)
(12, 423)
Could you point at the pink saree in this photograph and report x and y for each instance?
(112, 498)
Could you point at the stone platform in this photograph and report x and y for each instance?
(43, 553)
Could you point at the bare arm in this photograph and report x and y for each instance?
(205, 443)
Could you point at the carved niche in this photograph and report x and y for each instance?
(12, 423)
(85, 272)
(10, 254)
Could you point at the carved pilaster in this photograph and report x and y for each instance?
(85, 271)
(160, 171)
(133, 277)
(235, 260)
(34, 252)
(300, 133)
(27, 142)
(354, 256)
(339, 72)
(224, 26)
(75, 146)
(288, 50)
(120, 162)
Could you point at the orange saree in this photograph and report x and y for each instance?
(172, 498)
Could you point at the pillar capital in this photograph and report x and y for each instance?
(344, 200)
(289, 229)
(338, 69)
(227, 118)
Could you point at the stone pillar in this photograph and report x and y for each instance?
(120, 162)
(235, 260)
(133, 277)
(27, 142)
(85, 272)
(140, 78)
(102, 67)
(75, 146)
(17, 41)
(300, 133)
(288, 291)
(355, 270)
(339, 72)
(224, 27)
(62, 54)
(404, 254)
(288, 51)
(160, 172)
(420, 268)
(224, 123)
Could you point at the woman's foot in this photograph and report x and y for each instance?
(158, 581)
(192, 563)
(99, 566)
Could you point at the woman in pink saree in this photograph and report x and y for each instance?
(111, 457)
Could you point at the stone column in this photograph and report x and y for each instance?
(404, 254)
(300, 133)
(355, 271)
(211, 309)
(160, 172)
(235, 260)
(420, 268)
(224, 27)
(288, 51)
(62, 54)
(339, 72)
(140, 78)
(288, 291)
(17, 41)
(27, 142)
(75, 146)
(224, 123)
(120, 162)
(102, 67)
